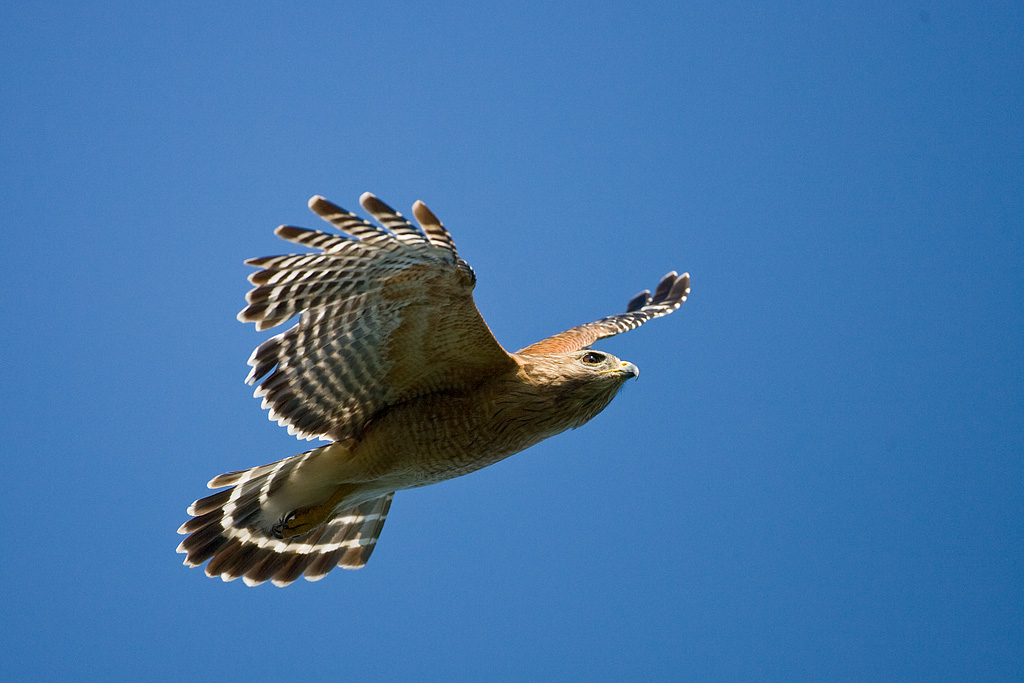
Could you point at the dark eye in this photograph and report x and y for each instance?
(592, 358)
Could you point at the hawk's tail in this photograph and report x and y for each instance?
(235, 528)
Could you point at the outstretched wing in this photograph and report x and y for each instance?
(669, 295)
(386, 314)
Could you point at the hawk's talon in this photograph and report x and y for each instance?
(282, 525)
(298, 522)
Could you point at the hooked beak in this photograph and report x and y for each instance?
(630, 370)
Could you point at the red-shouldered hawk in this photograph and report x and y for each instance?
(391, 361)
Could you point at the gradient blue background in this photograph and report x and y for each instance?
(817, 477)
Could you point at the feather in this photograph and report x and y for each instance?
(329, 373)
(671, 292)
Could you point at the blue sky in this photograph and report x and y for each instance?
(819, 475)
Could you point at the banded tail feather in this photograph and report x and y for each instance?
(238, 529)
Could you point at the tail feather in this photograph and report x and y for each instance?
(233, 529)
(203, 544)
(291, 568)
(223, 556)
(209, 504)
(263, 568)
(353, 539)
(241, 476)
(240, 560)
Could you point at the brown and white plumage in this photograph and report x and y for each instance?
(392, 362)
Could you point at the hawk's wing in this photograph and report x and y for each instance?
(669, 295)
(386, 314)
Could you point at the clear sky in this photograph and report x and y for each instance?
(818, 476)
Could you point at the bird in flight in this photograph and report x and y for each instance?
(391, 362)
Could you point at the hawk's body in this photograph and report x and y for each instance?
(391, 360)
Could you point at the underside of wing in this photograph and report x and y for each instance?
(386, 313)
(669, 295)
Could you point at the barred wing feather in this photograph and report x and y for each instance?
(669, 295)
(386, 313)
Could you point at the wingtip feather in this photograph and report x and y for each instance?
(664, 286)
(373, 205)
(424, 215)
(322, 207)
(639, 301)
(681, 288)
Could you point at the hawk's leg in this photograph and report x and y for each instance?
(304, 520)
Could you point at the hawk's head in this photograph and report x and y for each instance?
(580, 384)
